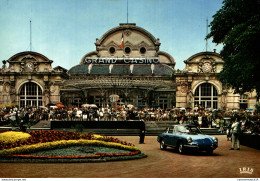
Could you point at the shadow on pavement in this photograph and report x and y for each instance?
(191, 153)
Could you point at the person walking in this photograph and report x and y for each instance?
(235, 127)
(228, 131)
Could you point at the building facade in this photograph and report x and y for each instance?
(198, 84)
(30, 80)
(128, 66)
(127, 63)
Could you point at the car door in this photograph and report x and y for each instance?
(168, 135)
(174, 136)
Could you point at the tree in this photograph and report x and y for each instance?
(237, 26)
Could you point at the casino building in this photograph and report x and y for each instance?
(127, 63)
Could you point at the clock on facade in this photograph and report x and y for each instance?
(207, 67)
(29, 66)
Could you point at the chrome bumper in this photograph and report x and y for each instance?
(200, 147)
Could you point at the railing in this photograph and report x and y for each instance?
(103, 125)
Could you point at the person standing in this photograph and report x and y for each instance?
(235, 127)
(209, 120)
(204, 120)
(228, 131)
(221, 123)
(200, 120)
(217, 123)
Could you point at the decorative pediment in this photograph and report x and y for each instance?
(112, 44)
(128, 44)
(143, 44)
(28, 58)
(207, 58)
(24, 57)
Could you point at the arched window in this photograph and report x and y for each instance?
(30, 95)
(206, 94)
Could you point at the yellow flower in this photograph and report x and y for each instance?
(97, 136)
(13, 136)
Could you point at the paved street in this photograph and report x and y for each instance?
(159, 164)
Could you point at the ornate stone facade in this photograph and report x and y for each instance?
(29, 80)
(127, 62)
(198, 84)
(137, 71)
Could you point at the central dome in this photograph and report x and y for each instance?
(128, 41)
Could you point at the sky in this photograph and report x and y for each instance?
(66, 30)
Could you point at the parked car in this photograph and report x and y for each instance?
(187, 137)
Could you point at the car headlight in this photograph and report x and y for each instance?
(215, 140)
(189, 139)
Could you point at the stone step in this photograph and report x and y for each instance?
(135, 132)
(125, 132)
(153, 128)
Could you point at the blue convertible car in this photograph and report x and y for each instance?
(187, 137)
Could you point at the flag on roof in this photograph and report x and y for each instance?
(122, 41)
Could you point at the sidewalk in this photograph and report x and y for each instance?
(224, 163)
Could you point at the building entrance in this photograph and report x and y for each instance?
(30, 95)
(206, 95)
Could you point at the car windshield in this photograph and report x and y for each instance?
(189, 129)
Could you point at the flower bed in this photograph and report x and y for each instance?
(49, 136)
(37, 141)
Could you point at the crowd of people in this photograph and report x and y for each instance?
(201, 117)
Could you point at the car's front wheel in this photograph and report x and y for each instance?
(180, 148)
(163, 146)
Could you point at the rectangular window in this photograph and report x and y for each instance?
(163, 97)
(196, 103)
(29, 97)
(34, 103)
(203, 103)
(22, 103)
(28, 103)
(208, 103)
(215, 105)
(205, 98)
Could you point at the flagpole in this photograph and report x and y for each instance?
(30, 35)
(206, 35)
(127, 12)
(123, 44)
